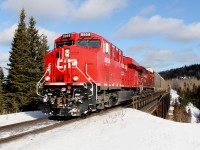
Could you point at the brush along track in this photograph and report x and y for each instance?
(47, 128)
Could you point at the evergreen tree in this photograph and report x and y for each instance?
(37, 49)
(43, 49)
(18, 71)
(1, 86)
(2, 102)
(26, 66)
(1, 74)
(1, 82)
(186, 71)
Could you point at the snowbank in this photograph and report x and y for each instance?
(195, 112)
(190, 108)
(20, 117)
(121, 129)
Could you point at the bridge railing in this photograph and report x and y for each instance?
(155, 103)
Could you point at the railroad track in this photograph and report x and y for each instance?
(47, 124)
(21, 124)
(18, 130)
(55, 124)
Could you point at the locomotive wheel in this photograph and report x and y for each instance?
(84, 116)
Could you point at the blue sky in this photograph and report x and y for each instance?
(157, 33)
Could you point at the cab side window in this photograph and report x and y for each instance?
(106, 48)
(113, 52)
(117, 54)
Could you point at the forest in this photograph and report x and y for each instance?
(25, 68)
(182, 72)
(186, 80)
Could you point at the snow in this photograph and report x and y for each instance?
(195, 112)
(20, 117)
(190, 108)
(174, 97)
(123, 128)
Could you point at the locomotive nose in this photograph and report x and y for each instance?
(65, 64)
(62, 56)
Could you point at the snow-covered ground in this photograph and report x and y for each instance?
(122, 129)
(195, 112)
(190, 108)
(20, 117)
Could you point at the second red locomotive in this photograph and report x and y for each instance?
(85, 72)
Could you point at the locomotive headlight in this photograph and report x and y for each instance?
(75, 78)
(67, 53)
(47, 78)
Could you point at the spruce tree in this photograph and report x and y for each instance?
(37, 49)
(18, 71)
(1, 82)
(43, 49)
(1, 74)
(1, 90)
(26, 66)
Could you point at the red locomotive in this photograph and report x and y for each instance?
(85, 72)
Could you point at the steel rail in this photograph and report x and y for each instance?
(50, 127)
(21, 124)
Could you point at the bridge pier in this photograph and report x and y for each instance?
(164, 105)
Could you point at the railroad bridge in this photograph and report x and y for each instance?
(156, 104)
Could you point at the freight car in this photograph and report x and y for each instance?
(159, 83)
(85, 72)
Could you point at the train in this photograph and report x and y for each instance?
(85, 73)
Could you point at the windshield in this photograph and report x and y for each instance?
(68, 43)
(89, 43)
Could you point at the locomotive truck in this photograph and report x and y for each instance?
(85, 73)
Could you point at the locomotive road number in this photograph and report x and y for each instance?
(107, 60)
